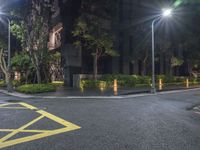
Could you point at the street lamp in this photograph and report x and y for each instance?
(9, 84)
(165, 13)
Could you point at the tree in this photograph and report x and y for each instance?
(3, 65)
(33, 32)
(21, 63)
(91, 35)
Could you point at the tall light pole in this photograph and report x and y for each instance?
(165, 13)
(9, 82)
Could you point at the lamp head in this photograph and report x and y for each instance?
(167, 12)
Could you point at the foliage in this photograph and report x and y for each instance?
(36, 88)
(91, 84)
(15, 83)
(127, 80)
(176, 61)
(122, 80)
(21, 62)
(2, 83)
(18, 30)
(3, 65)
(58, 83)
(92, 34)
(33, 32)
(171, 79)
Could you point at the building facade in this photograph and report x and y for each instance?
(133, 42)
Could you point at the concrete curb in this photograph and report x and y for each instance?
(19, 95)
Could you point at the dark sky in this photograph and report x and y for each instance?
(8, 4)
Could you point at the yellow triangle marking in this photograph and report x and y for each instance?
(21, 128)
(4, 142)
(13, 108)
(6, 104)
(28, 106)
(10, 106)
(25, 131)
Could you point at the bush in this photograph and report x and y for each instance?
(16, 83)
(92, 84)
(36, 88)
(126, 80)
(170, 79)
(122, 80)
(58, 83)
(2, 83)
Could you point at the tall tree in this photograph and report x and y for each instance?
(3, 65)
(92, 31)
(92, 37)
(33, 32)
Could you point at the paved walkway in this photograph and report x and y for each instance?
(74, 93)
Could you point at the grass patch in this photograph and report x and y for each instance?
(36, 88)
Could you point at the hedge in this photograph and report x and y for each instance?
(15, 83)
(122, 80)
(133, 81)
(36, 88)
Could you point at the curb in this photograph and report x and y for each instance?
(19, 95)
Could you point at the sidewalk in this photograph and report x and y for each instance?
(94, 93)
(75, 93)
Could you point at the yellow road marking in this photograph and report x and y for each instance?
(13, 108)
(25, 131)
(6, 104)
(58, 120)
(4, 142)
(28, 106)
(21, 128)
(34, 137)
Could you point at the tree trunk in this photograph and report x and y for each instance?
(144, 65)
(143, 69)
(3, 66)
(39, 80)
(161, 63)
(189, 67)
(95, 65)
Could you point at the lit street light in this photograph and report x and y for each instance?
(165, 13)
(9, 84)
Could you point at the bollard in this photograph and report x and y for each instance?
(187, 83)
(115, 88)
(160, 84)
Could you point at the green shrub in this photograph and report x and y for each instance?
(2, 83)
(16, 83)
(92, 84)
(170, 79)
(36, 88)
(58, 83)
(126, 80)
(122, 80)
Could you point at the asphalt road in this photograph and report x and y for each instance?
(160, 122)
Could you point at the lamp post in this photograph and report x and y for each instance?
(165, 13)
(9, 83)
